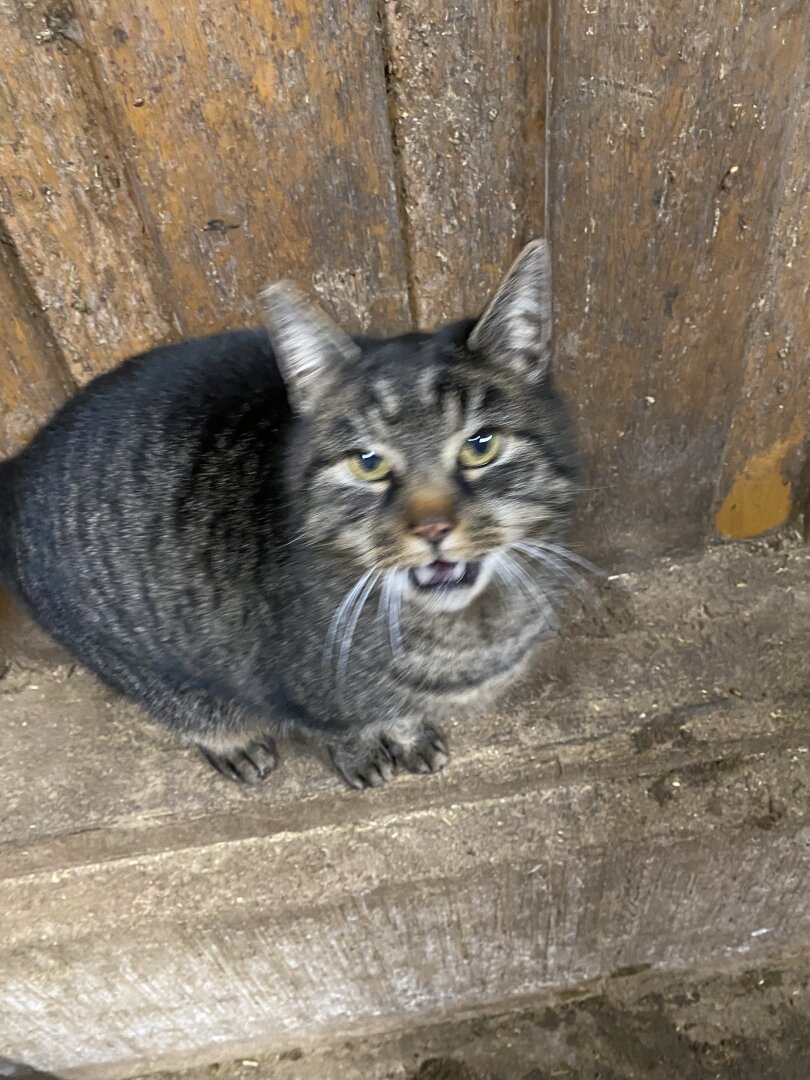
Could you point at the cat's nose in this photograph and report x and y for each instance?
(433, 530)
(430, 514)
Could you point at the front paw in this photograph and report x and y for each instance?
(247, 764)
(363, 765)
(421, 750)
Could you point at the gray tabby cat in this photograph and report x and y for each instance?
(351, 537)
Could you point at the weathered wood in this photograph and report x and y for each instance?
(65, 197)
(158, 165)
(769, 443)
(33, 380)
(601, 821)
(258, 134)
(669, 127)
(468, 94)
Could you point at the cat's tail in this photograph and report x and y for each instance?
(7, 501)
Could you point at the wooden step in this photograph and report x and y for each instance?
(642, 801)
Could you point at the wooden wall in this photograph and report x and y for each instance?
(679, 169)
(159, 163)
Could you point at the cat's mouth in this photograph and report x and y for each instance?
(441, 574)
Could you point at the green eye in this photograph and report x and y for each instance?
(480, 449)
(366, 465)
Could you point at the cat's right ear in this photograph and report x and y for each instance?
(309, 346)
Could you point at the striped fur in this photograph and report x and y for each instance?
(194, 539)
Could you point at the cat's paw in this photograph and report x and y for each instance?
(248, 764)
(422, 750)
(364, 765)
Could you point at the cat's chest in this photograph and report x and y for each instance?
(457, 659)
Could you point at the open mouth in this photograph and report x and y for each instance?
(444, 575)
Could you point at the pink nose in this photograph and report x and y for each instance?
(433, 530)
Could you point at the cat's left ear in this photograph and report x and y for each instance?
(515, 329)
(309, 346)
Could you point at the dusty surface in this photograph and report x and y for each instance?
(753, 1024)
(641, 803)
(646, 662)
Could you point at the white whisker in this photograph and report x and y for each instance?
(395, 624)
(389, 609)
(514, 574)
(294, 540)
(343, 608)
(371, 577)
(550, 560)
(541, 597)
(385, 597)
(570, 556)
(502, 568)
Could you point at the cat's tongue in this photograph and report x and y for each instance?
(439, 573)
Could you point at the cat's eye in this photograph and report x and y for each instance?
(366, 465)
(480, 449)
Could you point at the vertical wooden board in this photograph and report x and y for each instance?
(668, 133)
(33, 381)
(259, 135)
(768, 447)
(468, 87)
(65, 197)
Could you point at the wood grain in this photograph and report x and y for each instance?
(33, 379)
(667, 137)
(65, 197)
(258, 136)
(158, 165)
(468, 92)
(768, 448)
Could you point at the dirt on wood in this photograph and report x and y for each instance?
(752, 1024)
(679, 695)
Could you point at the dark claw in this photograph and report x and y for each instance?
(426, 754)
(243, 765)
(366, 767)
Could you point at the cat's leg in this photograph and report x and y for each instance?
(232, 740)
(368, 757)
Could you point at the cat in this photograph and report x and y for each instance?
(291, 529)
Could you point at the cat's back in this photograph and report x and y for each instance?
(116, 469)
(148, 406)
(162, 388)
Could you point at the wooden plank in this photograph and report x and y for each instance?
(668, 132)
(33, 379)
(65, 196)
(768, 448)
(259, 136)
(468, 87)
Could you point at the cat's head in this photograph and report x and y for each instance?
(430, 460)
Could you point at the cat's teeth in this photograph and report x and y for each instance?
(423, 574)
(440, 573)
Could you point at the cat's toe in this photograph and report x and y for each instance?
(369, 769)
(426, 752)
(248, 764)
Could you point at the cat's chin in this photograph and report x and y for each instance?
(447, 586)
